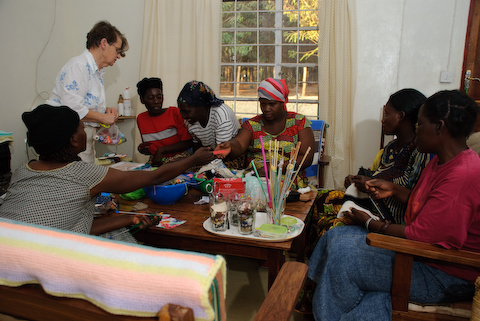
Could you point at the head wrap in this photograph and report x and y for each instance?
(49, 127)
(274, 89)
(198, 94)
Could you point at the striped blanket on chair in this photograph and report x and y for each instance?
(120, 278)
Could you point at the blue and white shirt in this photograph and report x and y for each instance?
(79, 85)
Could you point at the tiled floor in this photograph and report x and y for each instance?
(247, 288)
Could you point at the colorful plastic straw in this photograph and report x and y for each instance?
(259, 181)
(266, 171)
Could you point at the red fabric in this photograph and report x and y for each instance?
(171, 118)
(444, 208)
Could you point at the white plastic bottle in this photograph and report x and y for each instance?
(127, 105)
(121, 111)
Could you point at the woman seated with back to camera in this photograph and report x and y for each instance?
(164, 135)
(274, 124)
(58, 190)
(354, 280)
(400, 162)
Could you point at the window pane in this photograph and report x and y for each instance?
(267, 37)
(247, 90)
(266, 19)
(228, 38)
(246, 5)
(266, 54)
(290, 19)
(266, 5)
(290, 76)
(308, 109)
(308, 18)
(247, 20)
(228, 54)
(248, 74)
(290, 4)
(289, 54)
(227, 74)
(308, 54)
(309, 4)
(308, 74)
(266, 72)
(247, 54)
(290, 36)
(228, 20)
(228, 6)
(226, 90)
(244, 37)
(308, 37)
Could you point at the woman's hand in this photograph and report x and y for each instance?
(357, 216)
(143, 149)
(226, 147)
(158, 158)
(144, 220)
(379, 188)
(359, 181)
(203, 155)
(348, 181)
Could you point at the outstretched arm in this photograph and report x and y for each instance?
(126, 181)
(237, 145)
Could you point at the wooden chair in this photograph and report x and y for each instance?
(32, 303)
(406, 251)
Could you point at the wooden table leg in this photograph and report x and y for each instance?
(275, 261)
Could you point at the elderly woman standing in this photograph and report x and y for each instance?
(274, 124)
(354, 280)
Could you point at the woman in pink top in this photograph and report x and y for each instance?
(354, 280)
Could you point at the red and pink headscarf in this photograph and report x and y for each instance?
(274, 89)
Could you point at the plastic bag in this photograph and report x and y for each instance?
(109, 135)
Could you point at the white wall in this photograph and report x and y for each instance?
(25, 29)
(401, 43)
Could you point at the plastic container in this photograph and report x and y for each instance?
(273, 231)
(127, 104)
(166, 194)
(204, 185)
(120, 108)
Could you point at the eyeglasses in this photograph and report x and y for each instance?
(119, 50)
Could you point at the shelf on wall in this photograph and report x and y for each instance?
(122, 118)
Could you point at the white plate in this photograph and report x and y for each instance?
(260, 219)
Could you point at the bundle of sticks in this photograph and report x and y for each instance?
(279, 182)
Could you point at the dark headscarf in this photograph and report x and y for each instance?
(49, 127)
(198, 94)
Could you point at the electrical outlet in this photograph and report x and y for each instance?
(446, 76)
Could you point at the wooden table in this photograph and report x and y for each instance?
(192, 236)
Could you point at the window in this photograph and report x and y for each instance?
(269, 38)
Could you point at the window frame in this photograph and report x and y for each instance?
(278, 66)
